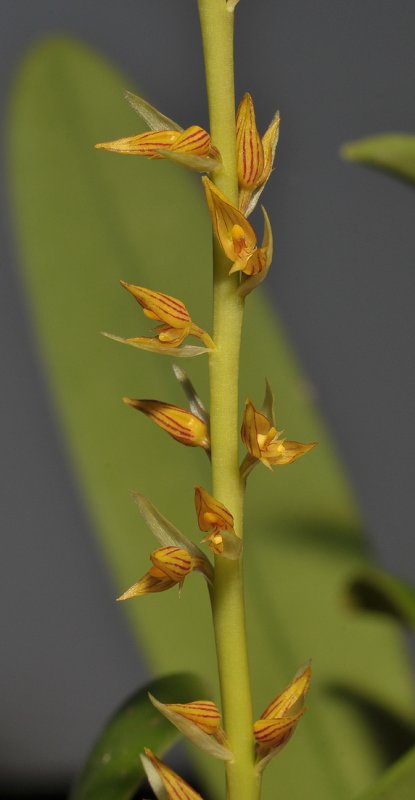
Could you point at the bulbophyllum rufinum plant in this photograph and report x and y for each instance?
(237, 163)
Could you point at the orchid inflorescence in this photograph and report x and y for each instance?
(177, 556)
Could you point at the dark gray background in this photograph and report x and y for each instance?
(343, 281)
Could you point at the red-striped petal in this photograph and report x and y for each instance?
(175, 562)
(143, 144)
(193, 140)
(250, 153)
(273, 732)
(203, 713)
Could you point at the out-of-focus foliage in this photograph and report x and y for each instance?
(114, 770)
(393, 152)
(85, 219)
(397, 783)
(375, 590)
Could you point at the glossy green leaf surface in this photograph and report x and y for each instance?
(375, 590)
(393, 152)
(84, 220)
(398, 783)
(113, 770)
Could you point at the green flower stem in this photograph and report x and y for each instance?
(227, 596)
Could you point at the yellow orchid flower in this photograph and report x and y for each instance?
(176, 324)
(164, 781)
(170, 567)
(236, 235)
(183, 426)
(215, 519)
(153, 144)
(166, 139)
(264, 444)
(279, 720)
(255, 156)
(200, 722)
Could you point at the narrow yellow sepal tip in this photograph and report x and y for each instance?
(279, 720)
(129, 402)
(174, 786)
(255, 156)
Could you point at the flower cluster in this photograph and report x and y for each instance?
(177, 557)
(200, 722)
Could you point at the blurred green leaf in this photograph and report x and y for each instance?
(398, 783)
(375, 590)
(393, 152)
(391, 733)
(85, 219)
(113, 770)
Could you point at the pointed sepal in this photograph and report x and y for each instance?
(153, 345)
(268, 403)
(248, 199)
(150, 144)
(249, 149)
(279, 720)
(161, 307)
(195, 403)
(154, 581)
(165, 783)
(255, 156)
(155, 120)
(263, 262)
